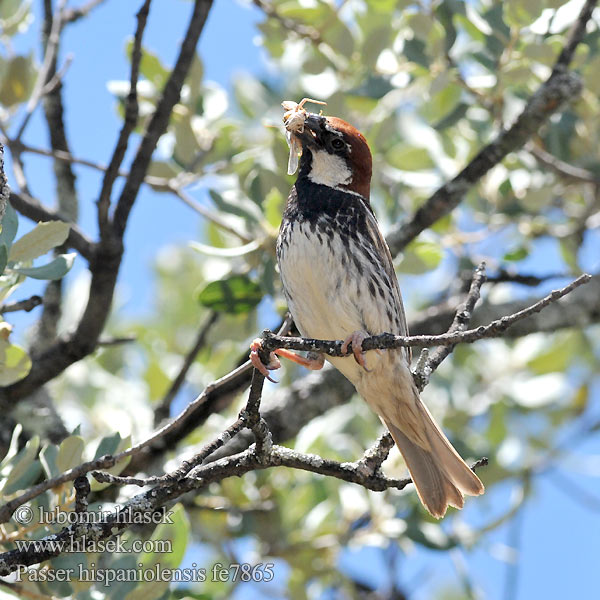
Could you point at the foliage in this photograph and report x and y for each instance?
(16, 258)
(429, 84)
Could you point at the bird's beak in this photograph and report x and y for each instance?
(314, 125)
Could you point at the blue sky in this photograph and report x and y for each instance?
(559, 538)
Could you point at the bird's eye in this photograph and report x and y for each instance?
(337, 144)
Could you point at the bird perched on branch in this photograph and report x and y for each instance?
(340, 283)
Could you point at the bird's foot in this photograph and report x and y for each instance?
(356, 338)
(313, 361)
(258, 364)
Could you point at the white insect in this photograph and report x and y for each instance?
(293, 119)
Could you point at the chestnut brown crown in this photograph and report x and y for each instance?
(340, 154)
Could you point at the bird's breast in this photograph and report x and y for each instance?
(333, 279)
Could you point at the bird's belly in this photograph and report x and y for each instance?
(323, 296)
(327, 299)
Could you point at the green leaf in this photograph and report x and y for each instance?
(111, 445)
(39, 240)
(22, 467)
(14, 363)
(13, 447)
(409, 158)
(164, 170)
(442, 102)
(559, 355)
(420, 24)
(421, 257)
(10, 224)
(150, 66)
(9, 10)
(186, 144)
(18, 80)
(175, 534)
(236, 295)
(70, 452)
(3, 257)
(15, 17)
(108, 445)
(568, 251)
(56, 269)
(516, 254)
(273, 205)
(497, 427)
(48, 456)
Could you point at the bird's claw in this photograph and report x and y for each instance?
(356, 338)
(258, 364)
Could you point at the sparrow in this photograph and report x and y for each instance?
(339, 282)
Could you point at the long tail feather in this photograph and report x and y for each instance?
(440, 475)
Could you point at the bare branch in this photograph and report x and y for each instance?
(304, 31)
(74, 14)
(116, 341)
(388, 340)
(129, 123)
(27, 305)
(160, 119)
(44, 74)
(562, 168)
(510, 276)
(106, 259)
(104, 462)
(4, 188)
(578, 309)
(460, 323)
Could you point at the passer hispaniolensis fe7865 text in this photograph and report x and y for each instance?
(340, 283)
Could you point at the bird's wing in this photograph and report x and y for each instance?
(385, 255)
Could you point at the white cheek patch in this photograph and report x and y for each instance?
(329, 169)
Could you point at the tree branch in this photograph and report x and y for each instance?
(388, 341)
(74, 14)
(27, 305)
(106, 258)
(160, 118)
(548, 99)
(431, 361)
(162, 410)
(561, 168)
(129, 123)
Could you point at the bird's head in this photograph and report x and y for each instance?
(335, 154)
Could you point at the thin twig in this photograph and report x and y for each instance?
(505, 276)
(116, 341)
(461, 320)
(160, 119)
(129, 122)
(163, 409)
(44, 72)
(74, 14)
(304, 31)
(561, 167)
(429, 361)
(26, 305)
(389, 341)
(57, 78)
(209, 215)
